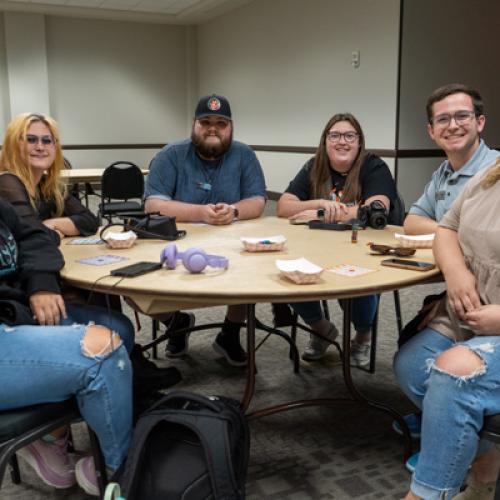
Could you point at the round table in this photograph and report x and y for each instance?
(252, 277)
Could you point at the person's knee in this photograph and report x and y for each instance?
(99, 340)
(460, 361)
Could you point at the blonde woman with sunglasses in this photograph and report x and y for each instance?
(31, 162)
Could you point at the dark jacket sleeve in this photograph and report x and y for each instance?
(84, 220)
(39, 259)
(13, 190)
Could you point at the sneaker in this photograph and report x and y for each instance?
(86, 476)
(228, 345)
(50, 461)
(360, 354)
(414, 423)
(477, 491)
(178, 344)
(317, 346)
(412, 462)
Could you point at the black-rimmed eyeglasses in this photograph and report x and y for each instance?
(336, 136)
(45, 140)
(462, 117)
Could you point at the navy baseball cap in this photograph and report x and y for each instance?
(213, 105)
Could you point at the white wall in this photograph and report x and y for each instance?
(107, 82)
(445, 41)
(286, 68)
(26, 63)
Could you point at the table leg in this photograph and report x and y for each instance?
(356, 396)
(250, 385)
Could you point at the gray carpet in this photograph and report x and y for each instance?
(313, 453)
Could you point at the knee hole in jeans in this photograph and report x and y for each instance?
(460, 361)
(99, 340)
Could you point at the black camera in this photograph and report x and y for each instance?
(373, 215)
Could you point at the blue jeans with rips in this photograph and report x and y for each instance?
(453, 407)
(41, 364)
(87, 314)
(363, 311)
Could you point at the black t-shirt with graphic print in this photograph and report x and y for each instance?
(375, 179)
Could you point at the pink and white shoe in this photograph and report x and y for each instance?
(86, 476)
(51, 462)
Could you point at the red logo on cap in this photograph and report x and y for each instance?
(213, 104)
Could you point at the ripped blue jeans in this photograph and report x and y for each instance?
(41, 364)
(453, 408)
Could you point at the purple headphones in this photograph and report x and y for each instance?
(194, 259)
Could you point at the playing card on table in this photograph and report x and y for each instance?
(350, 270)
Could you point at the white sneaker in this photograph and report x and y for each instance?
(317, 347)
(360, 354)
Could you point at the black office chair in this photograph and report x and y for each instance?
(491, 431)
(22, 426)
(123, 181)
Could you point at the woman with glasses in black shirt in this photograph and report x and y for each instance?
(339, 179)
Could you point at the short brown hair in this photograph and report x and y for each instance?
(455, 88)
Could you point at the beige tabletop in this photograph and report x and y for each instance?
(251, 277)
(85, 174)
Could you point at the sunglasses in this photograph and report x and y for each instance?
(390, 250)
(46, 140)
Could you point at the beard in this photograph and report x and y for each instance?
(211, 151)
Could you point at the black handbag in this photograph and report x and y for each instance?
(151, 226)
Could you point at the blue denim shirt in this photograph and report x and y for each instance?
(446, 184)
(178, 173)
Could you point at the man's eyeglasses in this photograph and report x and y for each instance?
(46, 140)
(389, 250)
(462, 117)
(336, 136)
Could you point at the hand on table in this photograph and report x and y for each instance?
(47, 308)
(333, 211)
(51, 225)
(218, 215)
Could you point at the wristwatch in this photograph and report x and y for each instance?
(236, 212)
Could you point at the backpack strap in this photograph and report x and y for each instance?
(127, 475)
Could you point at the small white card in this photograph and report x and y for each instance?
(350, 270)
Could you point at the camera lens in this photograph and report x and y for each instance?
(378, 221)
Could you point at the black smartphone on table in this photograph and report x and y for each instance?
(409, 264)
(136, 269)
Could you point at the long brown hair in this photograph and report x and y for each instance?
(493, 175)
(11, 160)
(321, 180)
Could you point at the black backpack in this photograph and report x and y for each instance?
(188, 447)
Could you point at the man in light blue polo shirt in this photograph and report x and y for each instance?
(456, 119)
(208, 178)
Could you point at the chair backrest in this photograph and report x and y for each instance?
(67, 164)
(122, 180)
(397, 214)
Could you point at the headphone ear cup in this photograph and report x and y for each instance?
(194, 260)
(169, 256)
